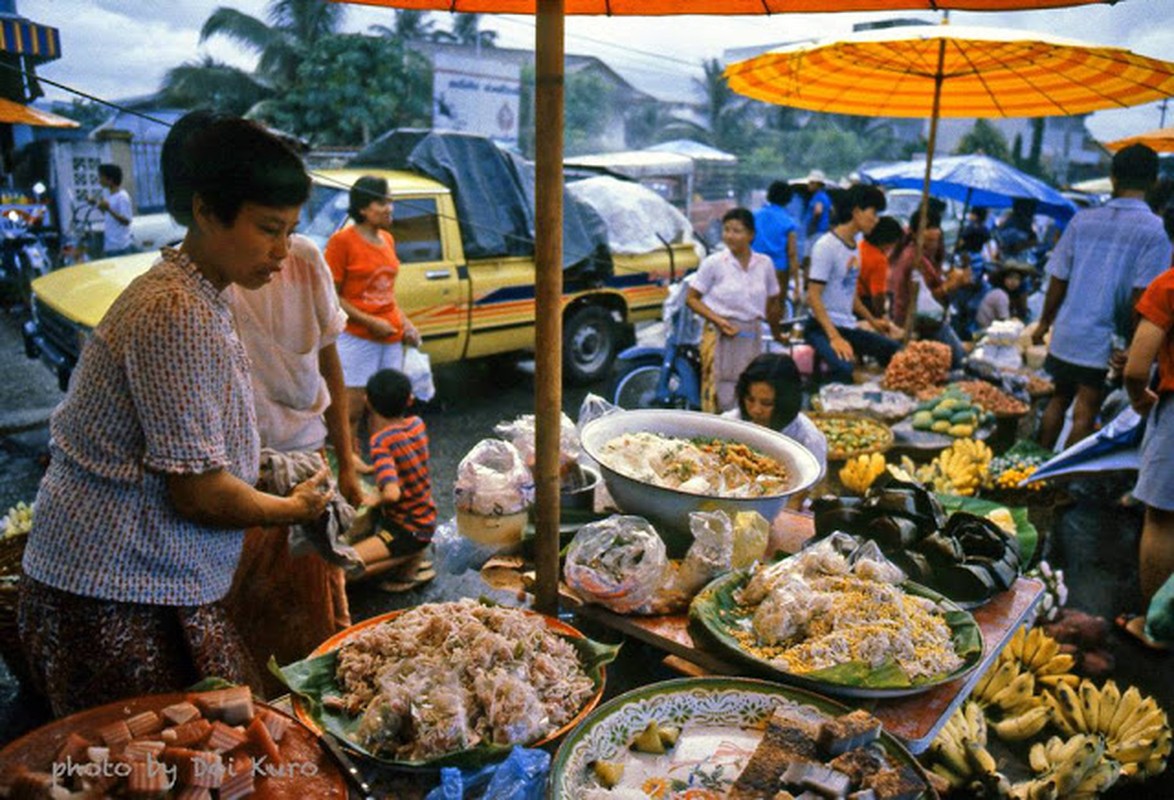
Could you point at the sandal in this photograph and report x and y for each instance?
(417, 579)
(1133, 626)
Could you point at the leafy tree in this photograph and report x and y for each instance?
(351, 88)
(88, 114)
(984, 138)
(466, 30)
(282, 41)
(725, 111)
(409, 26)
(587, 101)
(210, 82)
(646, 124)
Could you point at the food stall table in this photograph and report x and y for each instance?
(915, 719)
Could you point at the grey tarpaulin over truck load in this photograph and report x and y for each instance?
(494, 195)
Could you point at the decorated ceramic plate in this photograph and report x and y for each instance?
(719, 619)
(720, 723)
(305, 772)
(314, 686)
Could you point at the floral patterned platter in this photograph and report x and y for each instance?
(721, 722)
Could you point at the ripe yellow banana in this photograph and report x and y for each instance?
(1023, 726)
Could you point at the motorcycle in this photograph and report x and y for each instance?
(670, 376)
(23, 256)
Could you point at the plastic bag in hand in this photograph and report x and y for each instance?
(493, 480)
(617, 562)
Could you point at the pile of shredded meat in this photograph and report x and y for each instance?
(445, 677)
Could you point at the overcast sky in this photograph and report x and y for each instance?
(122, 48)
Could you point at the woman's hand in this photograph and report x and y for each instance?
(1144, 401)
(726, 327)
(313, 494)
(411, 334)
(380, 328)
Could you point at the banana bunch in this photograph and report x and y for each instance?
(960, 756)
(1007, 691)
(1055, 590)
(858, 473)
(959, 469)
(1040, 653)
(1076, 769)
(1135, 729)
(18, 521)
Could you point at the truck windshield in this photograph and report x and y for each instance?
(323, 213)
(415, 224)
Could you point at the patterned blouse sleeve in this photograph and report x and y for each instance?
(179, 375)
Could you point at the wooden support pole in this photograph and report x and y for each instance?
(548, 255)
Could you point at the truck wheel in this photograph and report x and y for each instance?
(590, 344)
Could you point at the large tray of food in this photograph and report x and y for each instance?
(182, 744)
(851, 435)
(698, 738)
(825, 623)
(868, 399)
(449, 684)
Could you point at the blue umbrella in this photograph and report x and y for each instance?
(1114, 447)
(976, 181)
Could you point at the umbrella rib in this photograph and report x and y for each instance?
(982, 79)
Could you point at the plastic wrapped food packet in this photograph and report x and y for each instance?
(521, 434)
(710, 554)
(868, 561)
(751, 534)
(493, 480)
(593, 407)
(617, 562)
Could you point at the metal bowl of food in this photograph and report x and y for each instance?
(635, 487)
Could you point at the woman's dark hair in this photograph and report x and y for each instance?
(365, 191)
(887, 231)
(779, 193)
(933, 219)
(742, 215)
(781, 373)
(228, 161)
(388, 392)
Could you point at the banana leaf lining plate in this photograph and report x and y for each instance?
(313, 678)
(721, 720)
(714, 615)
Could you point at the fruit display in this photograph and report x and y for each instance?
(858, 473)
(951, 413)
(959, 755)
(959, 469)
(850, 435)
(1011, 691)
(1074, 769)
(18, 521)
(919, 366)
(1135, 730)
(1010, 469)
(984, 394)
(963, 556)
(1055, 590)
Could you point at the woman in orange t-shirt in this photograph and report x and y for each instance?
(363, 262)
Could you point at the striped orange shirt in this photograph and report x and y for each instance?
(400, 455)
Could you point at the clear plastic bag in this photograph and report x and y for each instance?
(522, 776)
(593, 407)
(521, 434)
(617, 562)
(710, 554)
(418, 368)
(493, 480)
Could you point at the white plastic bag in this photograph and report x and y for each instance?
(418, 368)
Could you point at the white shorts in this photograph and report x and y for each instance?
(362, 358)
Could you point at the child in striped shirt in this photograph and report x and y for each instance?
(399, 454)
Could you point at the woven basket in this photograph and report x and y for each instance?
(884, 443)
(11, 552)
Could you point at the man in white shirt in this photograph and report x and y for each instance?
(117, 209)
(831, 289)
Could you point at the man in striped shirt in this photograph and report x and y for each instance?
(399, 453)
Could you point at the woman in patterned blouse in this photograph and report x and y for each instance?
(155, 451)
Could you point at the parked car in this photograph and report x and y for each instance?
(464, 308)
(903, 203)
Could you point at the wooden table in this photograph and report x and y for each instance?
(916, 719)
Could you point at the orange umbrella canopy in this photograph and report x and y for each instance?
(1160, 139)
(658, 8)
(976, 71)
(18, 114)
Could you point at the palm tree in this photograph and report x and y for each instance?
(207, 81)
(281, 40)
(724, 110)
(410, 26)
(466, 29)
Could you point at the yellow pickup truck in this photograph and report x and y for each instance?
(463, 308)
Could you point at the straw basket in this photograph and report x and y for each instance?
(11, 552)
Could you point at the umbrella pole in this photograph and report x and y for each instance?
(962, 224)
(919, 249)
(548, 214)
